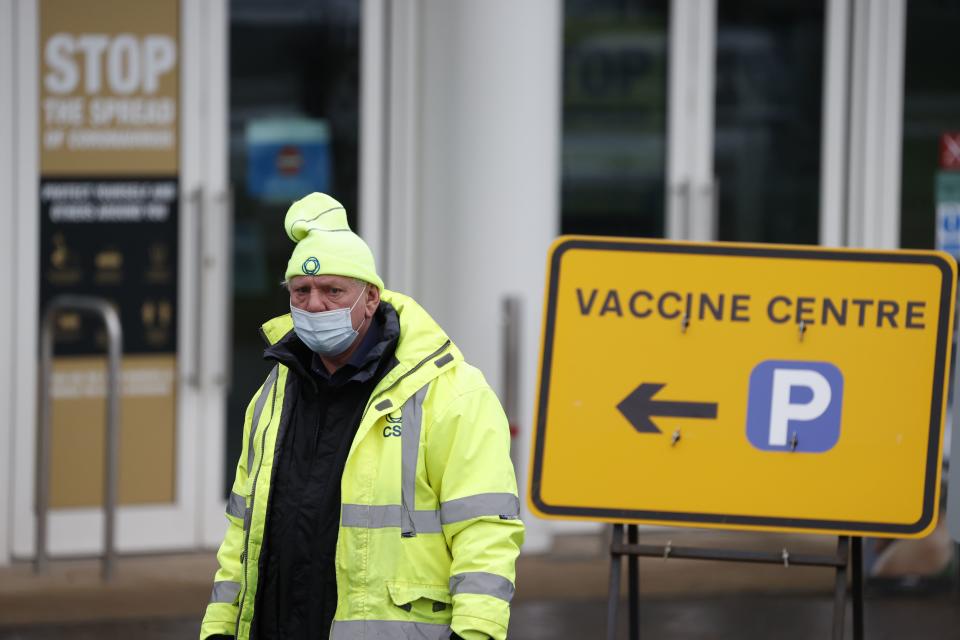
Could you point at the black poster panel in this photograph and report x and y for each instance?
(115, 239)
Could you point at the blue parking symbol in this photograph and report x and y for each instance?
(794, 406)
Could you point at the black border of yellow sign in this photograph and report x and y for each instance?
(930, 492)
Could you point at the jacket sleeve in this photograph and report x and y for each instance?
(221, 615)
(468, 463)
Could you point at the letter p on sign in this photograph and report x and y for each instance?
(794, 406)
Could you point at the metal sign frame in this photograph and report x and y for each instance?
(847, 563)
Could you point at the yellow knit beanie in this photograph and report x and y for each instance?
(325, 243)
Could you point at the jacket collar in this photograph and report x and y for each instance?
(422, 342)
(290, 351)
(423, 352)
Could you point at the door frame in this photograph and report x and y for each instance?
(26, 318)
(8, 265)
(875, 125)
(691, 186)
(195, 518)
(205, 175)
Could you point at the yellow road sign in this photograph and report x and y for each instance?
(743, 386)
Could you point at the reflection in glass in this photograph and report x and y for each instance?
(614, 117)
(294, 105)
(769, 89)
(931, 106)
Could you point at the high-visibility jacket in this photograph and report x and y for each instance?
(429, 523)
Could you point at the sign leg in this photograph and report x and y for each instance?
(613, 593)
(633, 577)
(840, 588)
(856, 563)
(956, 554)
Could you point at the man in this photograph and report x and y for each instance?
(374, 496)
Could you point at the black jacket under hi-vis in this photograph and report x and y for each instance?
(298, 590)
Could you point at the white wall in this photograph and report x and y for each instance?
(7, 230)
(489, 123)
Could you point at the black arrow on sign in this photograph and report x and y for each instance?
(639, 407)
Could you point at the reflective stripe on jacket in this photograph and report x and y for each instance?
(429, 526)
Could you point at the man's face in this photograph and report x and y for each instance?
(326, 293)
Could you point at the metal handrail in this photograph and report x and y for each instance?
(114, 348)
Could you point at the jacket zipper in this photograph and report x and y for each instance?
(253, 491)
(253, 494)
(433, 355)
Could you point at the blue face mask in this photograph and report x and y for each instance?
(327, 333)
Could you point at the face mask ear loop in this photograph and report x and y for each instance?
(358, 297)
(355, 304)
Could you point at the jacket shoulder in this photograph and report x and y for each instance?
(462, 383)
(461, 379)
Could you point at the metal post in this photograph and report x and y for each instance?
(114, 349)
(840, 587)
(42, 483)
(956, 554)
(840, 561)
(195, 377)
(225, 378)
(511, 369)
(633, 578)
(613, 593)
(856, 562)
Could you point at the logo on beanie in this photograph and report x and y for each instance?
(311, 266)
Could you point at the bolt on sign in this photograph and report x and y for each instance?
(109, 182)
(741, 386)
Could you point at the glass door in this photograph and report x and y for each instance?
(694, 119)
(121, 202)
(615, 107)
(769, 105)
(294, 129)
(930, 185)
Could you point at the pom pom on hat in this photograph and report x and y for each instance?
(325, 243)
